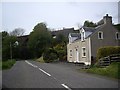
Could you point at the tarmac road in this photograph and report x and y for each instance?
(31, 74)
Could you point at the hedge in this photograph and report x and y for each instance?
(107, 50)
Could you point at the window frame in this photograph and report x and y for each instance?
(71, 54)
(83, 35)
(83, 51)
(117, 35)
(100, 36)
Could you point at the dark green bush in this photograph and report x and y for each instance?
(108, 50)
(61, 52)
(50, 55)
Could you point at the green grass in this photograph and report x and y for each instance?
(113, 70)
(8, 64)
(40, 60)
(0, 64)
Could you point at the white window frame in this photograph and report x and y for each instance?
(117, 37)
(71, 54)
(83, 48)
(83, 35)
(101, 35)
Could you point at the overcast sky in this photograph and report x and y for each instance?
(56, 14)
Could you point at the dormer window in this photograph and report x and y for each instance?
(117, 36)
(100, 35)
(82, 35)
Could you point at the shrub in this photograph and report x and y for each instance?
(108, 50)
(61, 54)
(61, 51)
(50, 55)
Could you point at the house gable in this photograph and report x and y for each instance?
(108, 36)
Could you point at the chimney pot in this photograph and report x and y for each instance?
(107, 15)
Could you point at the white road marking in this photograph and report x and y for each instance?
(37, 67)
(44, 72)
(31, 64)
(65, 86)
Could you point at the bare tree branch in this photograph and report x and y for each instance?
(17, 32)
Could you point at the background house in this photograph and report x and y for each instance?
(64, 31)
(84, 49)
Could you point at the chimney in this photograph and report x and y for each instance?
(107, 19)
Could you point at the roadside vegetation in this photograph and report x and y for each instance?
(113, 70)
(0, 64)
(8, 64)
(40, 60)
(106, 51)
(46, 48)
(38, 45)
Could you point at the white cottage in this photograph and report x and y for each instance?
(83, 46)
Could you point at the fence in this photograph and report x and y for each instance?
(109, 59)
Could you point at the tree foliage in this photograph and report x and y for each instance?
(89, 24)
(61, 50)
(50, 55)
(39, 39)
(8, 43)
(117, 26)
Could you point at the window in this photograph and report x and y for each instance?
(83, 36)
(100, 35)
(70, 53)
(83, 52)
(117, 35)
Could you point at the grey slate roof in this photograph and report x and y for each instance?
(89, 29)
(96, 29)
(64, 31)
(75, 34)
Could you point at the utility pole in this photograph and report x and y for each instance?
(10, 51)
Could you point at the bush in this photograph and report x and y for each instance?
(61, 51)
(108, 50)
(50, 55)
(61, 54)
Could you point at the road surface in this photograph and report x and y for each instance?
(31, 74)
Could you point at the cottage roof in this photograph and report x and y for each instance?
(89, 29)
(65, 31)
(96, 29)
(75, 34)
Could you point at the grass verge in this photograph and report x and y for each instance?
(0, 64)
(8, 64)
(40, 60)
(113, 70)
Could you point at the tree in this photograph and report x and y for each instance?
(39, 39)
(117, 26)
(17, 32)
(89, 24)
(60, 38)
(8, 43)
